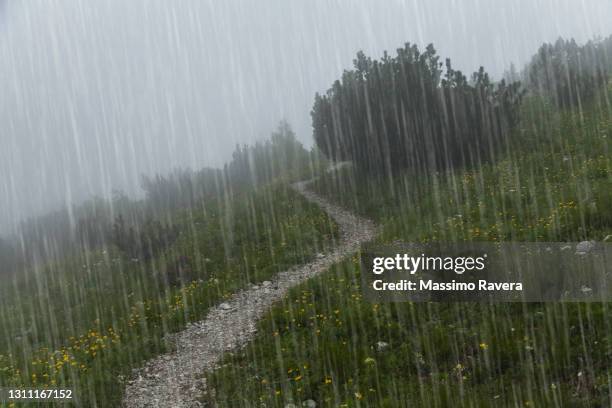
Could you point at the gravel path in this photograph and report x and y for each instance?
(175, 379)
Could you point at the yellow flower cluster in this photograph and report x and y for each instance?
(47, 366)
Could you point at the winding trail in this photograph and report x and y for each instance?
(175, 379)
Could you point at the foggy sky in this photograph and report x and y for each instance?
(96, 92)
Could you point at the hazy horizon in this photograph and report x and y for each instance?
(96, 93)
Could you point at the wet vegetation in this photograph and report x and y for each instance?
(92, 291)
(100, 222)
(327, 344)
(406, 113)
(552, 182)
(568, 73)
(92, 316)
(553, 186)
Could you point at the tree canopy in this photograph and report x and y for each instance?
(407, 112)
(569, 73)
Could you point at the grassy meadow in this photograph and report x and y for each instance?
(325, 343)
(87, 321)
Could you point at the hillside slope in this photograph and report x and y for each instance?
(326, 344)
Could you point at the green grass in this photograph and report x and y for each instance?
(85, 322)
(553, 184)
(321, 344)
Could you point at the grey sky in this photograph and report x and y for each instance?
(96, 92)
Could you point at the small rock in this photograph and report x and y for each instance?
(320, 255)
(225, 306)
(584, 247)
(290, 405)
(254, 287)
(382, 346)
(309, 403)
(266, 283)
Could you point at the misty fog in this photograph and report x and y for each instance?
(97, 92)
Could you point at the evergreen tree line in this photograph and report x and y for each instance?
(280, 156)
(142, 228)
(570, 74)
(413, 112)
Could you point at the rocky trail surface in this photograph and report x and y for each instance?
(175, 379)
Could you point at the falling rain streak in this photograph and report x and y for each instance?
(194, 178)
